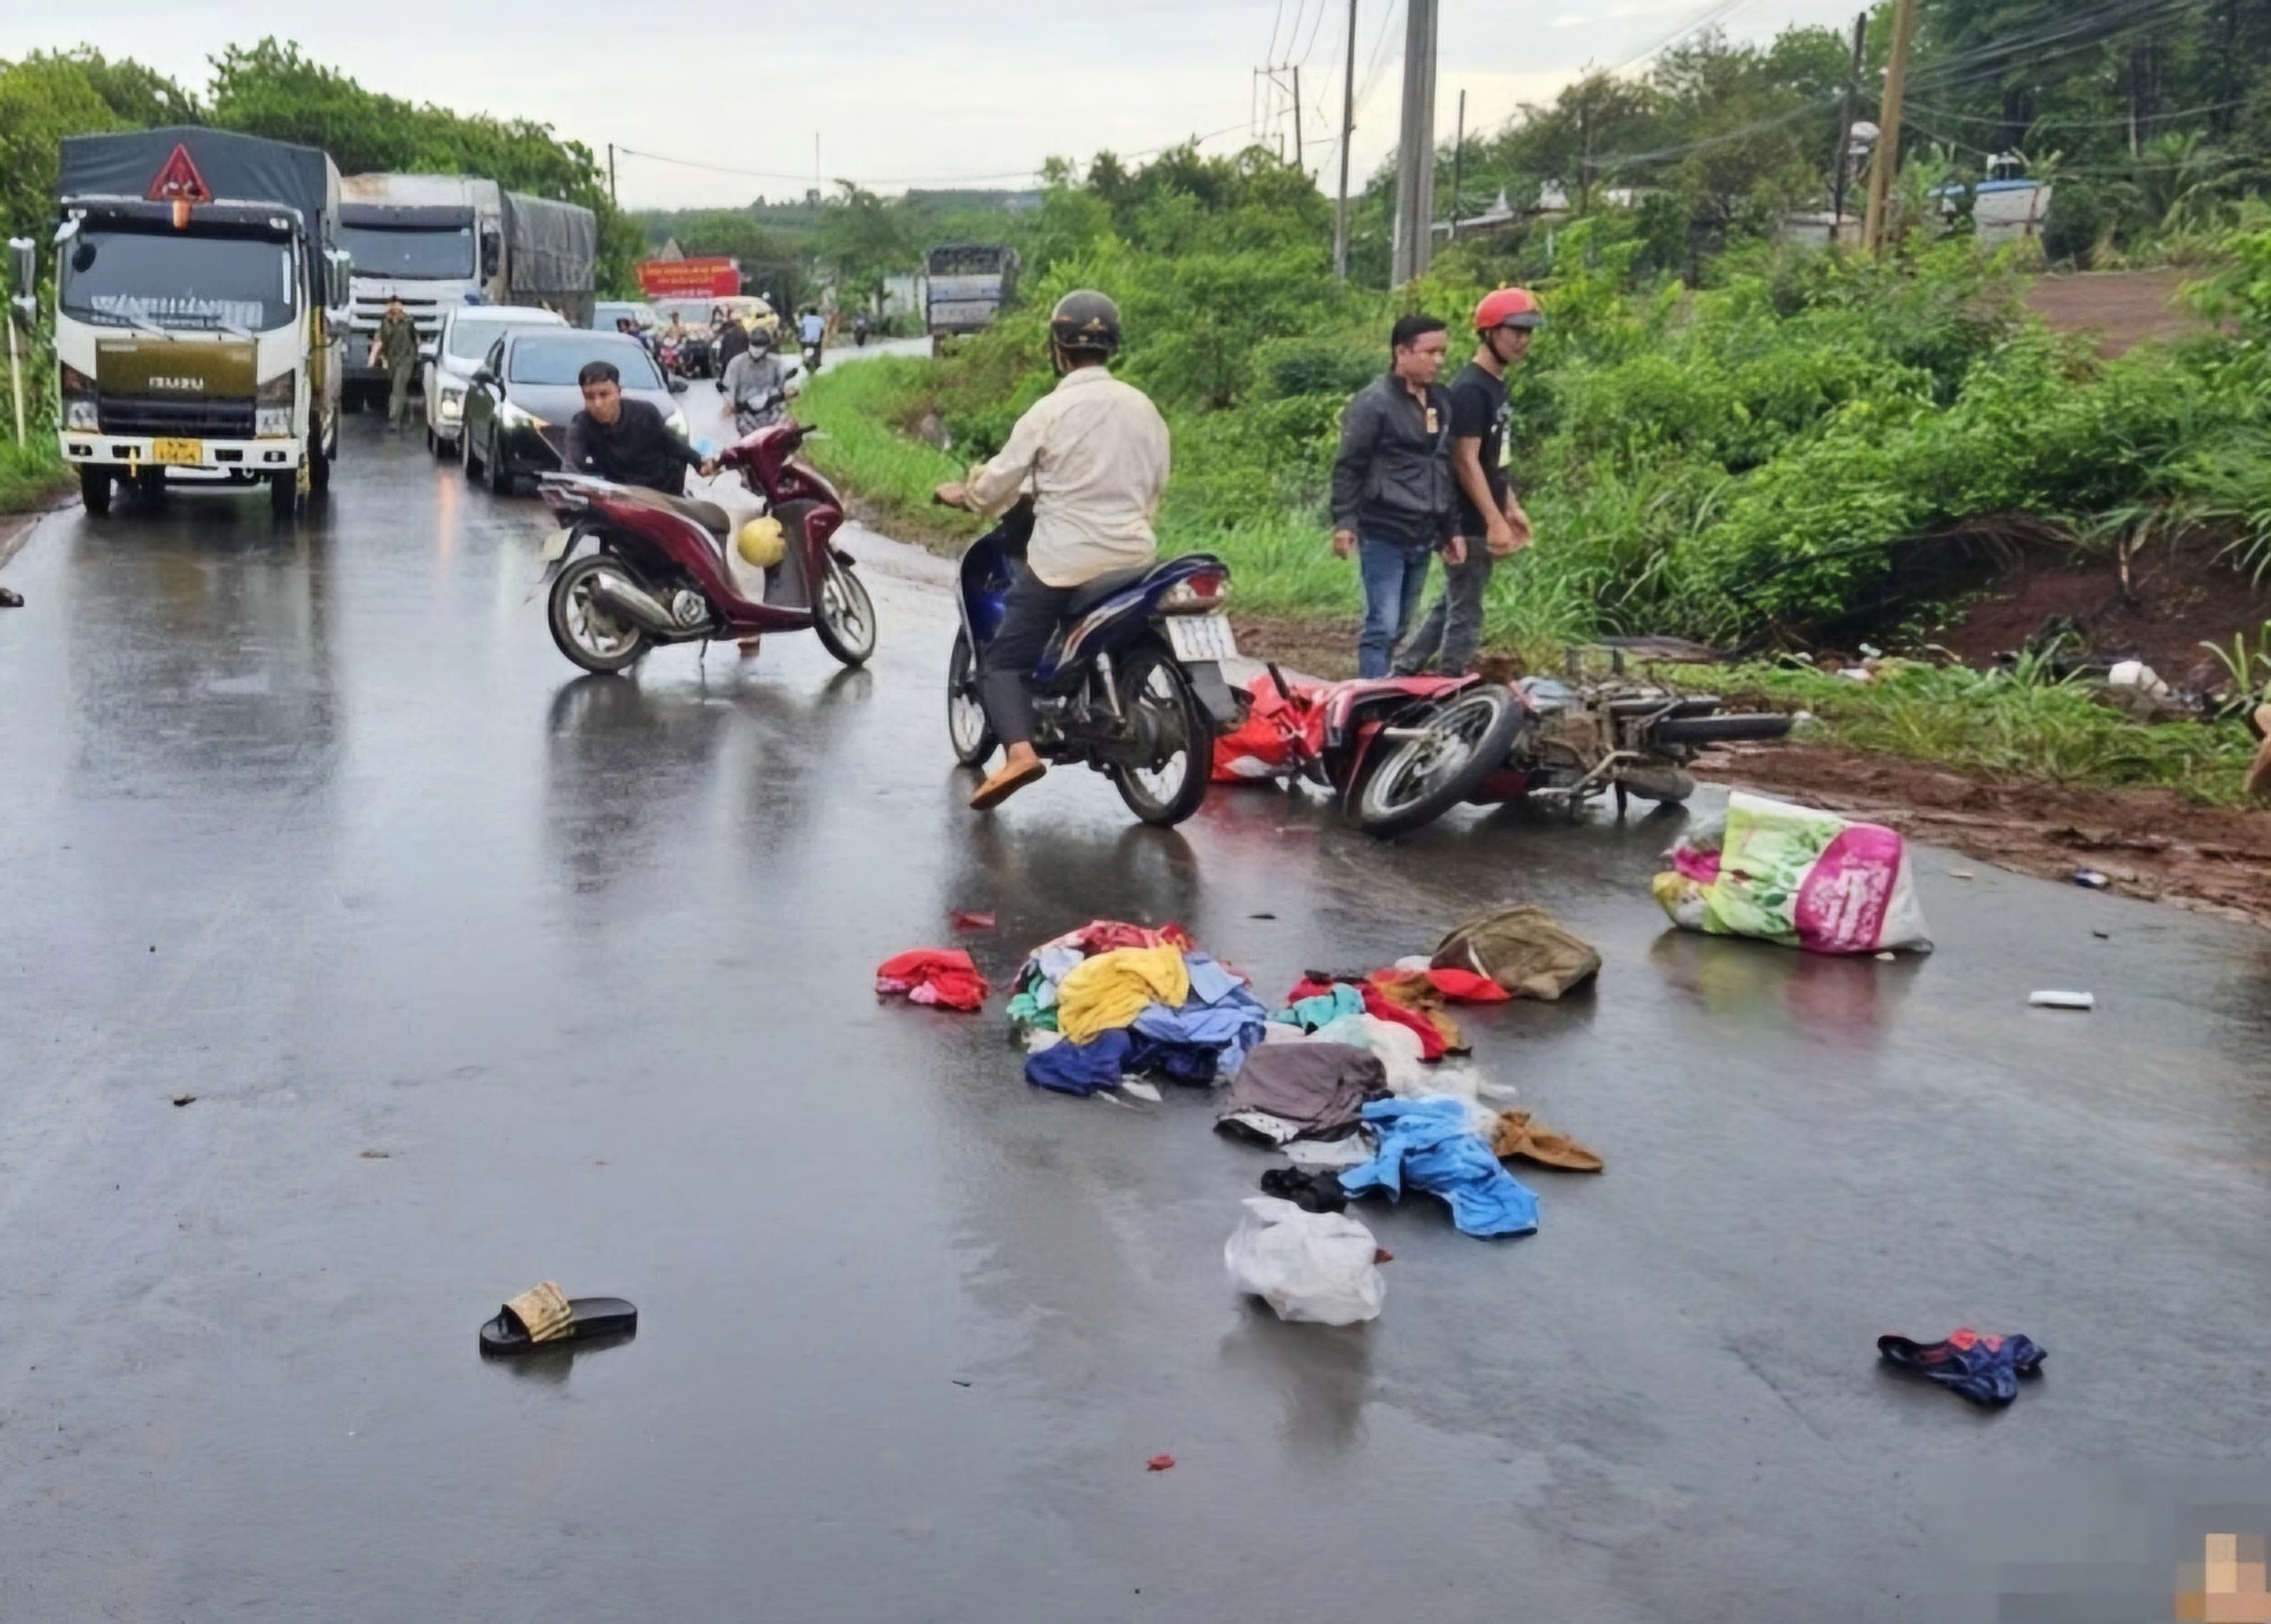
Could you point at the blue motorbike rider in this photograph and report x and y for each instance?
(1093, 453)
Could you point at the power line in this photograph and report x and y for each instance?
(2077, 124)
(935, 180)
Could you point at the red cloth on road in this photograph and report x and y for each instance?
(1461, 986)
(1437, 1035)
(1276, 734)
(935, 975)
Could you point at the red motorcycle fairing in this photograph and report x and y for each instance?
(694, 549)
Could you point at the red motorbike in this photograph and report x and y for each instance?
(630, 569)
(1399, 752)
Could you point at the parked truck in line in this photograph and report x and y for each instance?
(439, 240)
(200, 298)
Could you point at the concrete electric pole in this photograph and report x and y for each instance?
(1888, 160)
(1415, 147)
(1348, 129)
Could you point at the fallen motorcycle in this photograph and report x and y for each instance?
(1400, 752)
(1132, 683)
(629, 569)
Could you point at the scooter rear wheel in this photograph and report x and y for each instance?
(967, 730)
(583, 628)
(1155, 688)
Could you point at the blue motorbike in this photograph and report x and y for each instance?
(1132, 684)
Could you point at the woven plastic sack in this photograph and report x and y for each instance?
(1313, 1266)
(1795, 875)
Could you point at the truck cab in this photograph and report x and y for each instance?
(197, 293)
(435, 242)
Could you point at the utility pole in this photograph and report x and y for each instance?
(610, 171)
(1888, 160)
(1300, 158)
(1845, 130)
(1458, 165)
(1348, 129)
(1415, 147)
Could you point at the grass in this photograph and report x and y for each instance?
(30, 477)
(1991, 726)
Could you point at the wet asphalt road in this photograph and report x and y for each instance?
(482, 974)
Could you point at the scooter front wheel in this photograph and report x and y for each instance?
(583, 627)
(967, 730)
(1157, 696)
(843, 613)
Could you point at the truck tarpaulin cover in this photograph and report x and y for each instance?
(234, 168)
(709, 276)
(552, 246)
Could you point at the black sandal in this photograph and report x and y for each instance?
(545, 1317)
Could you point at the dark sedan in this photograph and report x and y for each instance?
(525, 393)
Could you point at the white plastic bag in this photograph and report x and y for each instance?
(1313, 1266)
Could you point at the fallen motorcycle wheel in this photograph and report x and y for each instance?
(967, 730)
(843, 613)
(585, 631)
(1161, 702)
(1432, 764)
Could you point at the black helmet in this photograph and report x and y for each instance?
(1085, 321)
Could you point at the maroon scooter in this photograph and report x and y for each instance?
(630, 569)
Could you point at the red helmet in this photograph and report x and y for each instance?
(1509, 307)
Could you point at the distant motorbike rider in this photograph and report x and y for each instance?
(1093, 453)
(627, 441)
(860, 328)
(756, 385)
(812, 331)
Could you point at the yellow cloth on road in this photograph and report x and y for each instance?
(1110, 991)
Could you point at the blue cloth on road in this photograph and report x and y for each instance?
(1325, 1008)
(1220, 1016)
(1081, 1068)
(1431, 1143)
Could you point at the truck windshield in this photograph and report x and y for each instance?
(383, 250)
(176, 280)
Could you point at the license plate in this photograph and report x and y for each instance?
(178, 453)
(555, 546)
(1201, 636)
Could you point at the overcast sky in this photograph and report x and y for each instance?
(929, 91)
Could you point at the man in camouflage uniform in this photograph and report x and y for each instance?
(396, 345)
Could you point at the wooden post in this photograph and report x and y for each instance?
(16, 379)
(1887, 159)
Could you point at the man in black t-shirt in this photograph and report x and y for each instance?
(1452, 630)
(626, 441)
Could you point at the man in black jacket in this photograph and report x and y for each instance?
(1394, 503)
(625, 440)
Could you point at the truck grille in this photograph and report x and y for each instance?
(187, 420)
(425, 314)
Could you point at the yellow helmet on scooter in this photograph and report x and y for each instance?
(762, 542)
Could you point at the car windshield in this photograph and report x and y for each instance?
(170, 280)
(607, 316)
(557, 361)
(383, 250)
(469, 340)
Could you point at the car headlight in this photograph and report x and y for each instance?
(79, 408)
(272, 405)
(512, 417)
(453, 402)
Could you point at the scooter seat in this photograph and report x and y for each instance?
(1090, 593)
(709, 515)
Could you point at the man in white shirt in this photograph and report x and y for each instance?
(1094, 451)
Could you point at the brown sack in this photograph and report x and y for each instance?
(1523, 949)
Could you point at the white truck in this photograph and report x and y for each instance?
(436, 242)
(198, 296)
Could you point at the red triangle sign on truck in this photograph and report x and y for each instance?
(179, 183)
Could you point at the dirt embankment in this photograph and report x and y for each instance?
(2123, 308)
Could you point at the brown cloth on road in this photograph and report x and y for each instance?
(1301, 1091)
(1523, 949)
(1517, 1135)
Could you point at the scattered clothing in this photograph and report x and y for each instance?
(1320, 1006)
(1110, 990)
(1396, 1047)
(1329, 1155)
(1522, 949)
(1987, 1369)
(1290, 1090)
(1438, 1034)
(1081, 1068)
(1027, 1014)
(1312, 1191)
(1451, 984)
(944, 978)
(1220, 1016)
(1517, 1136)
(1430, 1143)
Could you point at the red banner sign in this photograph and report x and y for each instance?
(713, 277)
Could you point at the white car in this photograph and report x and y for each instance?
(467, 333)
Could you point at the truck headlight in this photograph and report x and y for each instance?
(271, 406)
(80, 410)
